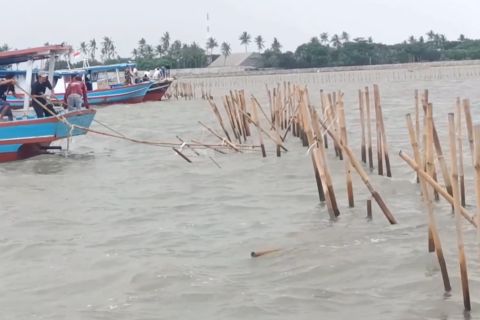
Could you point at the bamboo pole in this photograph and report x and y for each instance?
(477, 178)
(334, 123)
(316, 161)
(461, 175)
(430, 167)
(362, 126)
(376, 100)
(229, 115)
(468, 121)
(231, 145)
(323, 169)
(363, 175)
(458, 221)
(369, 129)
(441, 160)
(369, 209)
(417, 115)
(324, 115)
(383, 133)
(436, 186)
(219, 117)
(276, 140)
(255, 118)
(344, 141)
(427, 197)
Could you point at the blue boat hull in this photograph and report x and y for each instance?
(26, 138)
(122, 94)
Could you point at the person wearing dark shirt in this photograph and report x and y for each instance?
(6, 86)
(40, 104)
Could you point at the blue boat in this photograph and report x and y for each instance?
(105, 91)
(30, 136)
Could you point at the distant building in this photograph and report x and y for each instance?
(238, 61)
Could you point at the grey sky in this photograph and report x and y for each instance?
(29, 22)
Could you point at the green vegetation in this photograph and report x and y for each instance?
(322, 51)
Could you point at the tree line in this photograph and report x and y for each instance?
(321, 51)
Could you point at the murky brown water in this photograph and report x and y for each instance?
(127, 231)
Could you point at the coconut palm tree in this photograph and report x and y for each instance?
(324, 38)
(412, 39)
(431, 35)
(245, 40)
(276, 46)
(166, 41)
(260, 43)
(226, 51)
(336, 42)
(345, 36)
(108, 49)
(93, 48)
(135, 53)
(211, 44)
(84, 48)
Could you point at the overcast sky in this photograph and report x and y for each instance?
(29, 23)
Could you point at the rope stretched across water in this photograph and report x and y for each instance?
(117, 134)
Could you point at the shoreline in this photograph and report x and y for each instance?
(241, 71)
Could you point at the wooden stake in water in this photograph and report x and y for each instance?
(458, 221)
(477, 178)
(382, 129)
(461, 175)
(255, 118)
(468, 121)
(363, 175)
(427, 197)
(430, 166)
(379, 132)
(323, 168)
(369, 129)
(344, 141)
(362, 125)
(369, 209)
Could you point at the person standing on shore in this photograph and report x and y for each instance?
(76, 94)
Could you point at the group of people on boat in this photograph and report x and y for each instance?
(75, 96)
(132, 77)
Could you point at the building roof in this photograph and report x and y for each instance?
(249, 59)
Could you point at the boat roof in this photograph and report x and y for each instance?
(111, 67)
(38, 53)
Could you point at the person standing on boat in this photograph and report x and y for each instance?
(76, 94)
(6, 86)
(39, 103)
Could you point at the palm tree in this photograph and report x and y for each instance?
(84, 48)
(226, 51)
(276, 46)
(324, 38)
(260, 43)
(462, 38)
(4, 47)
(345, 36)
(166, 41)
(336, 43)
(93, 48)
(431, 35)
(412, 39)
(211, 44)
(245, 40)
(135, 53)
(159, 49)
(108, 49)
(141, 47)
